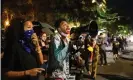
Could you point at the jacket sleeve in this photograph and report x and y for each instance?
(60, 51)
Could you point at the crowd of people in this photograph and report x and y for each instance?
(26, 55)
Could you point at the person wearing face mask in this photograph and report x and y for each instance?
(58, 57)
(23, 55)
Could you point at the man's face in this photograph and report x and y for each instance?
(64, 27)
(28, 25)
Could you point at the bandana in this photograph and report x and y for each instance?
(28, 34)
(25, 41)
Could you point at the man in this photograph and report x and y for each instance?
(58, 56)
(102, 44)
(115, 48)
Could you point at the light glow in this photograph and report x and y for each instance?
(7, 23)
(93, 1)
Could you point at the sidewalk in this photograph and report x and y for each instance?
(126, 54)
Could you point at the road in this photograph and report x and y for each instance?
(122, 69)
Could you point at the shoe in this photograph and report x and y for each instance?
(93, 78)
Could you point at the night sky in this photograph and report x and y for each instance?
(122, 7)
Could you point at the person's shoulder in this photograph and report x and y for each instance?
(57, 37)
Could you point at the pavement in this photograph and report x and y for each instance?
(121, 69)
(128, 52)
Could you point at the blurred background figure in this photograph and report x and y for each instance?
(121, 43)
(101, 42)
(115, 48)
(44, 45)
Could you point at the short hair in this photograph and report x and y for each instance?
(57, 22)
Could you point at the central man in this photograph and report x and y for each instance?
(58, 53)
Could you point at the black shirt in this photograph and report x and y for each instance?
(17, 59)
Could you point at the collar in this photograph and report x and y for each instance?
(59, 35)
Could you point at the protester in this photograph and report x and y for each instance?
(22, 57)
(102, 44)
(95, 57)
(121, 42)
(115, 48)
(58, 67)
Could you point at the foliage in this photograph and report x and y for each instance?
(82, 11)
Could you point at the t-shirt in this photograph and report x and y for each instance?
(115, 44)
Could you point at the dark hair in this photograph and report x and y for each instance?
(15, 30)
(57, 22)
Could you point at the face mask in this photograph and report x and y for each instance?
(28, 34)
(63, 34)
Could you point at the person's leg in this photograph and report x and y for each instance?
(101, 57)
(87, 66)
(104, 57)
(116, 53)
(94, 65)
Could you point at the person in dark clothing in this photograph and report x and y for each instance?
(115, 48)
(22, 55)
(101, 43)
(121, 46)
